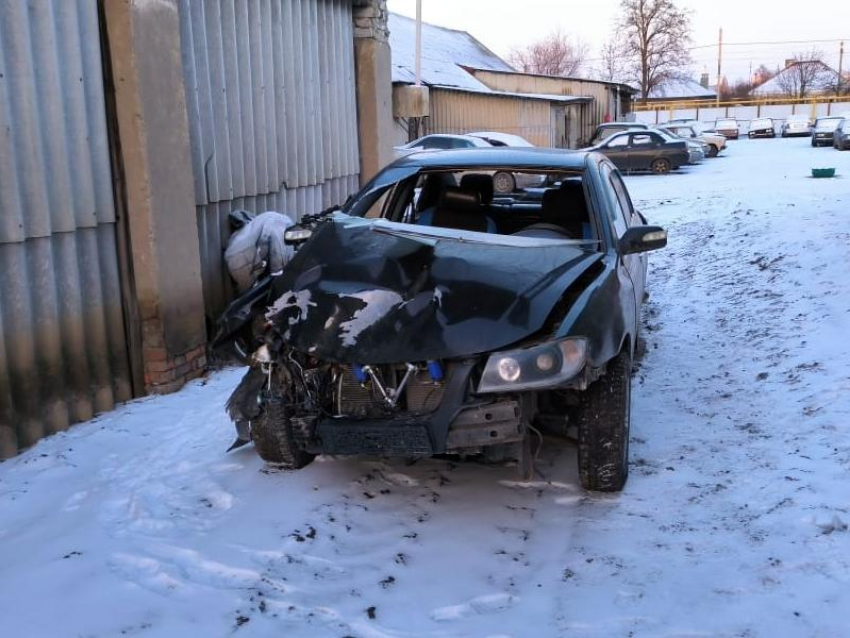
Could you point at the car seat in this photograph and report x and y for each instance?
(432, 188)
(480, 182)
(563, 214)
(460, 208)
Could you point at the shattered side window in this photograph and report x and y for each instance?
(363, 204)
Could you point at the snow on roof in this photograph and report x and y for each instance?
(678, 88)
(549, 97)
(443, 50)
(825, 80)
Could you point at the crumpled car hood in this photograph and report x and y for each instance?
(371, 291)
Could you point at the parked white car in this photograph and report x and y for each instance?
(503, 182)
(797, 124)
(440, 142)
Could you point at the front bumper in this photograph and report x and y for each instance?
(459, 422)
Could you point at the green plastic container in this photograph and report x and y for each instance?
(823, 172)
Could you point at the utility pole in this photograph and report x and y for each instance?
(418, 42)
(840, 66)
(719, 61)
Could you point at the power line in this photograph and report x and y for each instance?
(775, 42)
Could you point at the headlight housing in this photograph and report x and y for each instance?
(542, 366)
(296, 235)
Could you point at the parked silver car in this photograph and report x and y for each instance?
(797, 124)
(714, 141)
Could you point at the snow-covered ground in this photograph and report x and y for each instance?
(734, 521)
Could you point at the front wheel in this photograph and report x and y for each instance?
(504, 183)
(274, 438)
(660, 166)
(713, 151)
(603, 421)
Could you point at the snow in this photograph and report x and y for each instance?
(823, 81)
(676, 88)
(734, 521)
(443, 50)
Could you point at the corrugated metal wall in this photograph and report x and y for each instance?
(62, 344)
(604, 95)
(459, 112)
(273, 117)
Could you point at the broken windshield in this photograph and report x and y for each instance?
(481, 204)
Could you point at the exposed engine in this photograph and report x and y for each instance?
(373, 391)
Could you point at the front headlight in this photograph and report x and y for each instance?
(296, 235)
(542, 366)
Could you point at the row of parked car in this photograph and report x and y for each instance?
(828, 130)
(634, 146)
(631, 146)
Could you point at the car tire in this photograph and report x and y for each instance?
(660, 166)
(603, 419)
(713, 151)
(503, 183)
(274, 438)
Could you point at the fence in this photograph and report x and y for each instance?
(744, 110)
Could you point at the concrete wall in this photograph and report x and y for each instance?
(374, 86)
(744, 114)
(144, 39)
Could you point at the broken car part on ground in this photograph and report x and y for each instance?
(430, 317)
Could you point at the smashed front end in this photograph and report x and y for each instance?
(384, 340)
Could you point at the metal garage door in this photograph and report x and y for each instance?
(63, 353)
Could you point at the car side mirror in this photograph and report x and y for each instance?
(641, 239)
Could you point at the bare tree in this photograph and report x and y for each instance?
(806, 73)
(762, 74)
(654, 37)
(556, 54)
(611, 66)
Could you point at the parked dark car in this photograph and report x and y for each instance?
(761, 127)
(841, 137)
(644, 150)
(606, 130)
(823, 130)
(427, 317)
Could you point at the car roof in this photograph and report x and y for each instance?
(504, 138)
(503, 156)
(618, 124)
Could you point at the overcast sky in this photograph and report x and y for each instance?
(502, 25)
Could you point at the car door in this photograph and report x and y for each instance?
(643, 148)
(636, 262)
(616, 148)
(629, 267)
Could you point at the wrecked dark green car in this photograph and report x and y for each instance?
(428, 316)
